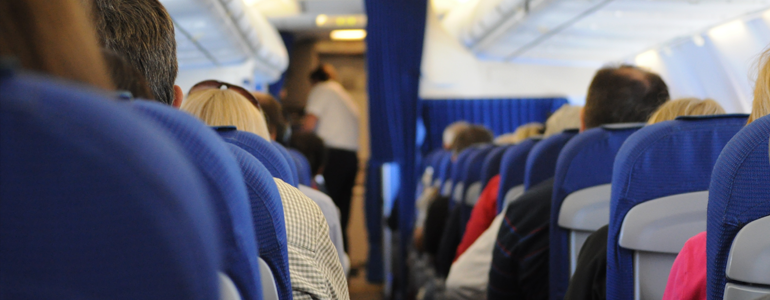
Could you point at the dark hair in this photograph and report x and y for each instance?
(142, 32)
(276, 124)
(312, 147)
(475, 134)
(322, 73)
(623, 94)
(126, 77)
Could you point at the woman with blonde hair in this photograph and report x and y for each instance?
(522, 133)
(218, 107)
(685, 107)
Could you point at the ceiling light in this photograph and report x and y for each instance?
(698, 40)
(321, 19)
(728, 30)
(647, 59)
(348, 35)
(250, 2)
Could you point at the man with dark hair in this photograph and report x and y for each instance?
(520, 256)
(142, 33)
(312, 147)
(276, 123)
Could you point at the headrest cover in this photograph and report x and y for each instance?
(541, 162)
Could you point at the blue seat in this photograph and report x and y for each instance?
(458, 172)
(581, 197)
(541, 161)
(260, 148)
(472, 182)
(269, 222)
(512, 172)
(96, 203)
(491, 164)
(303, 167)
(442, 176)
(738, 195)
(292, 166)
(224, 182)
(659, 195)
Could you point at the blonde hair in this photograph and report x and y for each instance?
(685, 107)
(566, 117)
(226, 108)
(53, 37)
(522, 133)
(761, 106)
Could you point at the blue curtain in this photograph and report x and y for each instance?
(394, 53)
(275, 87)
(500, 115)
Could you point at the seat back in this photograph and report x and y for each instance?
(659, 195)
(512, 172)
(458, 173)
(541, 161)
(95, 202)
(581, 197)
(269, 222)
(491, 164)
(472, 181)
(303, 167)
(225, 184)
(292, 166)
(737, 196)
(260, 148)
(443, 176)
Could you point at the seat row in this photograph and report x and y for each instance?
(655, 186)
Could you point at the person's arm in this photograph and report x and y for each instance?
(309, 122)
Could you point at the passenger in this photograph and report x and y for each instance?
(314, 266)
(451, 132)
(520, 258)
(312, 147)
(276, 123)
(28, 29)
(474, 134)
(469, 276)
(333, 115)
(523, 132)
(127, 78)
(142, 33)
(590, 277)
(687, 279)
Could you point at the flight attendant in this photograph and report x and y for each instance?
(333, 115)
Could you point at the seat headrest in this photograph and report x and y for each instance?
(512, 168)
(305, 173)
(491, 164)
(541, 161)
(261, 149)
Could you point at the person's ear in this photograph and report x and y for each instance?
(178, 97)
(582, 119)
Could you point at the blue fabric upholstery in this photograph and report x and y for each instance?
(459, 172)
(225, 184)
(738, 194)
(269, 222)
(585, 161)
(663, 159)
(444, 170)
(502, 115)
(512, 168)
(292, 166)
(541, 161)
(473, 167)
(260, 148)
(303, 167)
(96, 203)
(491, 164)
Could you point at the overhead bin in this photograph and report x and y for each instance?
(584, 32)
(222, 34)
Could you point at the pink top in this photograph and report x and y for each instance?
(687, 279)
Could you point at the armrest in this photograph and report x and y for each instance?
(749, 259)
(665, 224)
(227, 289)
(587, 209)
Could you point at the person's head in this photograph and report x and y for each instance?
(522, 133)
(566, 117)
(276, 124)
(217, 107)
(761, 105)
(475, 134)
(142, 32)
(451, 132)
(624, 94)
(312, 147)
(685, 107)
(324, 72)
(126, 77)
(53, 37)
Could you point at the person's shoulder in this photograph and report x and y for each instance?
(297, 203)
(322, 200)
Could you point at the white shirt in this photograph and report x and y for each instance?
(469, 275)
(337, 115)
(332, 215)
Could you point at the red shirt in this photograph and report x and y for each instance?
(687, 279)
(482, 215)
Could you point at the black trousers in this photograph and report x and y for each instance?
(340, 177)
